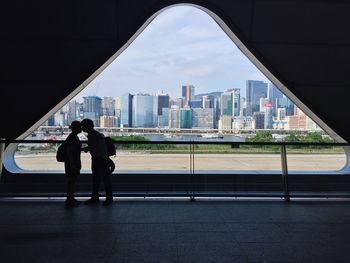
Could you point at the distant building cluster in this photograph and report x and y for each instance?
(264, 107)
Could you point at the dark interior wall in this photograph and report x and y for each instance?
(48, 48)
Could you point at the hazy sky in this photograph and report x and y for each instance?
(183, 45)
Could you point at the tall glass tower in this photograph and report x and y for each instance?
(126, 110)
(255, 89)
(92, 109)
(142, 110)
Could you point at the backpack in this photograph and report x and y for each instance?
(110, 146)
(111, 165)
(61, 153)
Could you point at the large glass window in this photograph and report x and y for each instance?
(183, 79)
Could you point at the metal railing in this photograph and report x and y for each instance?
(192, 151)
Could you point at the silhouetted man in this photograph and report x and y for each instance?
(72, 163)
(99, 163)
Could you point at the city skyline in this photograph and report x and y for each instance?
(182, 45)
(264, 108)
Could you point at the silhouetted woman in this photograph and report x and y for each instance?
(72, 162)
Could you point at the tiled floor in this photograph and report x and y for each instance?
(175, 231)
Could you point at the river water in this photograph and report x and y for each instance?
(203, 138)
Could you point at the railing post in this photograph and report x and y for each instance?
(285, 173)
(191, 171)
(2, 153)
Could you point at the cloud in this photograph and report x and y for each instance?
(201, 70)
(181, 45)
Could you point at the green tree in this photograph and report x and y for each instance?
(261, 136)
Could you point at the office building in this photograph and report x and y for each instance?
(92, 106)
(286, 103)
(255, 90)
(242, 122)
(230, 102)
(108, 121)
(59, 119)
(174, 117)
(179, 102)
(142, 110)
(126, 110)
(163, 119)
(73, 112)
(108, 106)
(186, 118)
(268, 116)
(217, 111)
(225, 123)
(258, 120)
(273, 94)
(163, 101)
(281, 114)
(208, 101)
(263, 102)
(195, 103)
(187, 93)
(117, 109)
(203, 118)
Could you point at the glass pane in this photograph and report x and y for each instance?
(157, 158)
(129, 158)
(315, 158)
(223, 158)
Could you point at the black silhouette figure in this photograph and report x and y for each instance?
(72, 162)
(99, 163)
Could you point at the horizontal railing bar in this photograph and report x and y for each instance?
(190, 142)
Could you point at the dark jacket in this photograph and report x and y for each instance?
(72, 164)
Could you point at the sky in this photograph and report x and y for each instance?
(182, 45)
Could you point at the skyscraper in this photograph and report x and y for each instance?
(177, 102)
(268, 116)
(286, 103)
(73, 112)
(273, 92)
(263, 102)
(258, 120)
(203, 118)
(207, 102)
(160, 102)
(163, 120)
(117, 108)
(108, 121)
(236, 101)
(230, 102)
(174, 117)
(281, 114)
(273, 95)
(226, 104)
(185, 118)
(255, 90)
(126, 110)
(163, 100)
(108, 106)
(195, 103)
(187, 93)
(142, 110)
(216, 112)
(93, 109)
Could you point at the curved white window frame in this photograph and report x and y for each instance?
(9, 160)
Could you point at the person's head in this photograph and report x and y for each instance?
(75, 126)
(87, 125)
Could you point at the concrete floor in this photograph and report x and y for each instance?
(175, 231)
